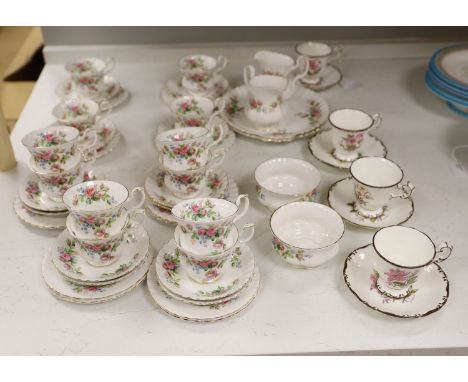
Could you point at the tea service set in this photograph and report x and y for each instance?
(206, 272)
(104, 252)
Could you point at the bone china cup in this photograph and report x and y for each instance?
(198, 71)
(76, 112)
(376, 181)
(349, 129)
(87, 73)
(403, 252)
(187, 148)
(276, 64)
(318, 55)
(196, 111)
(284, 180)
(306, 234)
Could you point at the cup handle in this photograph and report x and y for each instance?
(302, 64)
(216, 161)
(377, 121)
(444, 248)
(88, 134)
(213, 130)
(247, 233)
(242, 210)
(88, 155)
(249, 73)
(110, 64)
(221, 64)
(135, 191)
(407, 189)
(105, 108)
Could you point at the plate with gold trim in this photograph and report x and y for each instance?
(429, 294)
(38, 220)
(341, 199)
(305, 114)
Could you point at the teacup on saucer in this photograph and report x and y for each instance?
(199, 70)
(80, 113)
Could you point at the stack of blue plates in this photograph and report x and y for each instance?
(447, 77)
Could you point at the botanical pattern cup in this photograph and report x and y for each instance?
(187, 148)
(199, 70)
(189, 183)
(196, 111)
(350, 127)
(402, 254)
(376, 181)
(207, 269)
(318, 54)
(87, 73)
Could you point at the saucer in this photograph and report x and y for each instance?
(174, 277)
(157, 192)
(109, 146)
(106, 132)
(206, 313)
(321, 147)
(305, 113)
(114, 93)
(330, 77)
(69, 291)
(163, 214)
(38, 220)
(341, 199)
(66, 257)
(174, 89)
(226, 143)
(431, 290)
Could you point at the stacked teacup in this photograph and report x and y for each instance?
(104, 245)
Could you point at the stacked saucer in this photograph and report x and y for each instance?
(104, 252)
(447, 77)
(207, 272)
(199, 76)
(90, 78)
(82, 114)
(57, 162)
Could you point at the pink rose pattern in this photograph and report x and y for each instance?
(313, 114)
(97, 225)
(233, 107)
(352, 141)
(33, 191)
(185, 153)
(258, 106)
(104, 252)
(387, 299)
(91, 194)
(200, 211)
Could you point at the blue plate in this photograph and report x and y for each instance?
(444, 95)
(439, 73)
(446, 86)
(457, 110)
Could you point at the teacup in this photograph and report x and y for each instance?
(196, 111)
(376, 181)
(212, 242)
(189, 183)
(87, 73)
(80, 113)
(349, 129)
(102, 201)
(207, 269)
(403, 253)
(209, 214)
(284, 180)
(276, 64)
(306, 234)
(318, 55)
(187, 148)
(199, 70)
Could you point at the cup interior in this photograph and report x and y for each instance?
(182, 134)
(307, 225)
(274, 58)
(376, 172)
(192, 105)
(204, 210)
(267, 81)
(75, 109)
(52, 136)
(313, 49)
(351, 120)
(404, 246)
(95, 195)
(197, 62)
(287, 176)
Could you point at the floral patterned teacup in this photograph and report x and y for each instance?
(196, 111)
(212, 242)
(318, 54)
(350, 127)
(376, 181)
(198, 71)
(306, 234)
(284, 180)
(87, 73)
(207, 269)
(189, 183)
(80, 113)
(402, 253)
(187, 148)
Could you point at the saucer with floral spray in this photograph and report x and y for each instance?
(330, 76)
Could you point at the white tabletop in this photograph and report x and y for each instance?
(296, 311)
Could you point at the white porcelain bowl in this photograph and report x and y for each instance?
(284, 180)
(306, 234)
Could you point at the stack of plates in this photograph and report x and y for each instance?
(447, 77)
(179, 296)
(69, 277)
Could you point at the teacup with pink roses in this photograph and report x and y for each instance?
(199, 71)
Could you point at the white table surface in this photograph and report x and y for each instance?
(296, 311)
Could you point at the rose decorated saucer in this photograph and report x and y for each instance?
(429, 294)
(38, 220)
(226, 143)
(33, 197)
(205, 313)
(105, 131)
(163, 214)
(65, 255)
(67, 290)
(331, 76)
(305, 113)
(113, 92)
(174, 89)
(158, 193)
(174, 277)
(341, 199)
(321, 147)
